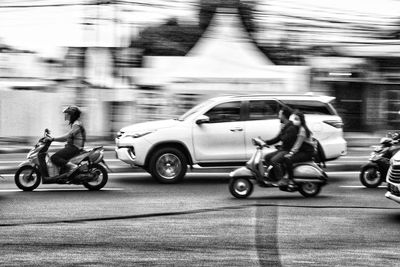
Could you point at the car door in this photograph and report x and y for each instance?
(222, 138)
(261, 119)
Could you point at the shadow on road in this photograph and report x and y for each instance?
(186, 181)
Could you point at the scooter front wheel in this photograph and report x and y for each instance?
(27, 178)
(241, 187)
(370, 177)
(309, 189)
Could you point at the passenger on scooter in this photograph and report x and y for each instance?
(303, 149)
(287, 136)
(75, 139)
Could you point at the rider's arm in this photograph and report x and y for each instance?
(274, 140)
(63, 138)
(301, 136)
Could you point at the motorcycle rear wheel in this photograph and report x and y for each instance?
(309, 189)
(27, 178)
(240, 187)
(102, 178)
(370, 177)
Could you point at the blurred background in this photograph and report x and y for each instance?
(127, 61)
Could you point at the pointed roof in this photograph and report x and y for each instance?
(224, 52)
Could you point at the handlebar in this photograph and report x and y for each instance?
(257, 141)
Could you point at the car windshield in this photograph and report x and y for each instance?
(193, 110)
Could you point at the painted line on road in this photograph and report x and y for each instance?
(61, 189)
(359, 186)
(199, 173)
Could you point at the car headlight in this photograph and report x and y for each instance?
(138, 134)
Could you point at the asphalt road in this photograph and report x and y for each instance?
(135, 222)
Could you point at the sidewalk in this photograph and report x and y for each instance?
(354, 139)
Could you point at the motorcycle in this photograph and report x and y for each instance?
(38, 168)
(374, 172)
(308, 177)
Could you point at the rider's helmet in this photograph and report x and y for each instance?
(74, 113)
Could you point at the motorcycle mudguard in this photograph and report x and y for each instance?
(308, 170)
(369, 165)
(26, 163)
(241, 172)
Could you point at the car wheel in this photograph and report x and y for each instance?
(168, 165)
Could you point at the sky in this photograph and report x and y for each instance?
(46, 29)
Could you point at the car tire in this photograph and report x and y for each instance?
(168, 165)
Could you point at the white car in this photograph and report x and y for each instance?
(393, 179)
(218, 132)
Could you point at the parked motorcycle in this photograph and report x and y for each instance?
(308, 177)
(373, 173)
(38, 168)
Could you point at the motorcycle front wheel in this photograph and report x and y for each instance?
(240, 187)
(370, 177)
(27, 178)
(100, 180)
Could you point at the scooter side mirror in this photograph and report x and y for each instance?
(47, 131)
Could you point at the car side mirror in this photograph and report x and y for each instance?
(202, 119)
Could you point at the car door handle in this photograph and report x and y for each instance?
(237, 129)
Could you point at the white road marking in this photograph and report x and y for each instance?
(359, 186)
(61, 189)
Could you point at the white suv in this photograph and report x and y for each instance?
(218, 132)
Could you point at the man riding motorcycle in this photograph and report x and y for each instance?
(287, 136)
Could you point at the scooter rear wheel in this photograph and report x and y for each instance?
(101, 178)
(309, 189)
(370, 177)
(240, 187)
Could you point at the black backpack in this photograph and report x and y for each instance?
(319, 154)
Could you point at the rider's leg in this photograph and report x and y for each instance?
(61, 158)
(276, 162)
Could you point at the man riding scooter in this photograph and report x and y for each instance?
(287, 136)
(75, 139)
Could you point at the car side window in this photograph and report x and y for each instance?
(263, 109)
(226, 112)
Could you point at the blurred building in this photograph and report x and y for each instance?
(224, 61)
(365, 79)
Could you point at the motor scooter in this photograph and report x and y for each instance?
(308, 177)
(373, 173)
(38, 168)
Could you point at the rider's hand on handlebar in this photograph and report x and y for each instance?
(288, 155)
(48, 139)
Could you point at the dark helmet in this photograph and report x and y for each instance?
(74, 113)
